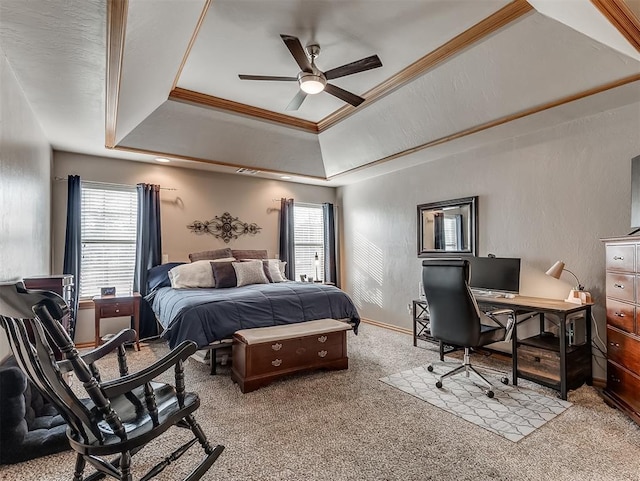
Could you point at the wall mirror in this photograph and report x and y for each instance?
(448, 227)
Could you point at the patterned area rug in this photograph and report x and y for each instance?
(513, 413)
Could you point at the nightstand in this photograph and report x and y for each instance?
(117, 306)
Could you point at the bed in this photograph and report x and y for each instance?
(206, 315)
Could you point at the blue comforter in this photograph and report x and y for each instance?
(208, 315)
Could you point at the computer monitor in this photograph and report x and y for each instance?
(501, 274)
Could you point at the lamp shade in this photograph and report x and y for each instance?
(556, 270)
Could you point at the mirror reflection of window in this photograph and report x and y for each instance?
(447, 227)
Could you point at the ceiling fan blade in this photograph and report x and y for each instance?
(295, 47)
(354, 67)
(266, 77)
(342, 94)
(296, 101)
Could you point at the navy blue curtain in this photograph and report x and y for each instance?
(73, 245)
(148, 251)
(330, 264)
(287, 246)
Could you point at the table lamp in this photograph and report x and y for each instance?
(317, 264)
(576, 295)
(556, 270)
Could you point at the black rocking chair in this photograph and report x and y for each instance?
(120, 416)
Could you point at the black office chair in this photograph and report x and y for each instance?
(120, 416)
(454, 315)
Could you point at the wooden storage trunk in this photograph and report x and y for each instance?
(264, 354)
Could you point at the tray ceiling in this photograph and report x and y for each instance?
(454, 75)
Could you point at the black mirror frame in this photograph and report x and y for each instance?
(472, 202)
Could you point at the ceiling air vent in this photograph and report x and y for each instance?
(243, 170)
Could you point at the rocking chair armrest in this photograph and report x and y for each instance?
(127, 383)
(124, 336)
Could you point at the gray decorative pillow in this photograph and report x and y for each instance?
(250, 272)
(211, 255)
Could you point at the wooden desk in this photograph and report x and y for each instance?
(549, 343)
(117, 306)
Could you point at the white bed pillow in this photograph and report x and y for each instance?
(194, 274)
(282, 266)
(250, 272)
(274, 271)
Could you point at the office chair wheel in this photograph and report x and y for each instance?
(439, 385)
(504, 380)
(489, 394)
(430, 368)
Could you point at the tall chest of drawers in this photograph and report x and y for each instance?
(623, 324)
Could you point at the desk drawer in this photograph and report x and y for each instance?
(541, 363)
(621, 315)
(620, 257)
(621, 286)
(623, 350)
(117, 309)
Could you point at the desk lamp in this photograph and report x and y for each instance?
(577, 295)
(556, 270)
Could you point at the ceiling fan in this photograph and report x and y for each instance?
(312, 80)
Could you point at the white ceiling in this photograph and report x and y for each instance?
(544, 63)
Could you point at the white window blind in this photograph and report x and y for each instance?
(109, 216)
(308, 240)
(451, 233)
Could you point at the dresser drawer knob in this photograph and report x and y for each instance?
(619, 286)
(620, 314)
(614, 379)
(117, 310)
(322, 339)
(322, 353)
(614, 344)
(618, 258)
(276, 347)
(276, 362)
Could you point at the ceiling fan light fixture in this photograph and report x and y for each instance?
(311, 83)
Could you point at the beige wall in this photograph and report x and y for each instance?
(25, 187)
(547, 196)
(198, 195)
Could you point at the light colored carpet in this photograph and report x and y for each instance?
(513, 413)
(347, 425)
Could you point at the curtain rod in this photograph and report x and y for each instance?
(64, 179)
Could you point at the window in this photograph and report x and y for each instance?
(308, 240)
(109, 215)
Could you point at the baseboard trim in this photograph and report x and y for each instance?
(384, 325)
(599, 383)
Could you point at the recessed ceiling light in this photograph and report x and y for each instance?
(285, 177)
(161, 159)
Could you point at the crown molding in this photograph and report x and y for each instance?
(623, 18)
(184, 95)
(116, 28)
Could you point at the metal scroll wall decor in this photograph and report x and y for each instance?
(224, 227)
